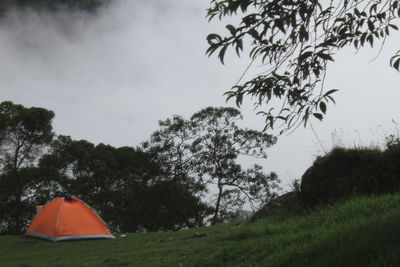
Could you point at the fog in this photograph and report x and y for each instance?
(110, 76)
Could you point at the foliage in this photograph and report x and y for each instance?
(124, 185)
(156, 187)
(204, 151)
(24, 135)
(295, 41)
(166, 206)
(130, 188)
(393, 142)
(221, 141)
(392, 163)
(173, 147)
(361, 232)
(344, 173)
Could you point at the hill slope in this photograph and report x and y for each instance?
(361, 232)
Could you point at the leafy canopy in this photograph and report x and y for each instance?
(221, 141)
(24, 135)
(126, 186)
(131, 189)
(295, 40)
(203, 152)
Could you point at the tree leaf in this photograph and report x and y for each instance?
(221, 54)
(280, 25)
(371, 26)
(331, 92)
(322, 107)
(305, 55)
(396, 64)
(325, 56)
(212, 37)
(231, 29)
(239, 46)
(318, 116)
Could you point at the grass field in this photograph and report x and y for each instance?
(361, 232)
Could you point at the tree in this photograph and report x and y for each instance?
(174, 148)
(24, 135)
(295, 41)
(170, 206)
(220, 143)
(125, 185)
(203, 151)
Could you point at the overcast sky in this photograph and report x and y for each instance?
(109, 78)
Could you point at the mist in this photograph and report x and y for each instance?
(110, 75)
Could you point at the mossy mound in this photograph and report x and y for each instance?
(344, 173)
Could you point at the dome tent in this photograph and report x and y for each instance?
(67, 218)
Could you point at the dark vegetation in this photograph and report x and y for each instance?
(124, 184)
(205, 150)
(338, 176)
(159, 185)
(344, 173)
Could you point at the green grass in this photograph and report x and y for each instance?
(361, 232)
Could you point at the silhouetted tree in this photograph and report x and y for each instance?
(174, 148)
(24, 135)
(220, 143)
(126, 186)
(130, 188)
(204, 151)
(167, 206)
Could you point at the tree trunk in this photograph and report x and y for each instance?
(18, 194)
(215, 218)
(18, 204)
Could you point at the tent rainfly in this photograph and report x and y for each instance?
(67, 218)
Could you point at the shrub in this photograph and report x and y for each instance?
(392, 165)
(344, 173)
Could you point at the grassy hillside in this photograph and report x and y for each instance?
(361, 232)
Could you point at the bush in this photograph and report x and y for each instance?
(392, 165)
(344, 173)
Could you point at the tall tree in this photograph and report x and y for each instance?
(220, 143)
(295, 40)
(25, 133)
(204, 150)
(174, 148)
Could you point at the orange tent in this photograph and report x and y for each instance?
(68, 218)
